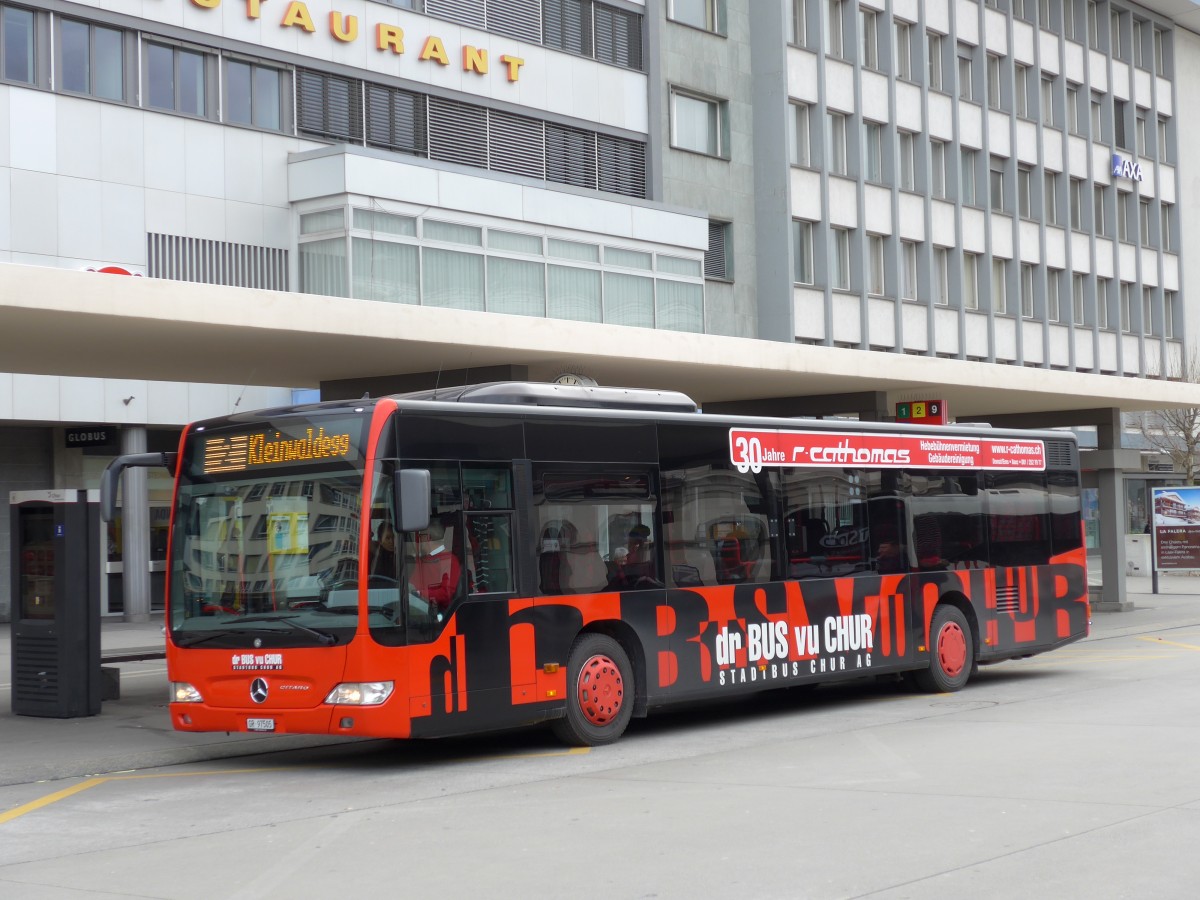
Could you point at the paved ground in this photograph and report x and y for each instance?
(134, 732)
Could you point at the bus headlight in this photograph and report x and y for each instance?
(361, 693)
(182, 692)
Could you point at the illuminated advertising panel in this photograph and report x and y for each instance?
(750, 450)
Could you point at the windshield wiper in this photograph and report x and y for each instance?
(192, 640)
(323, 636)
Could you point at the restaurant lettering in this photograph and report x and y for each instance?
(387, 37)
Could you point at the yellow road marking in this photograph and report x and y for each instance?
(97, 780)
(1154, 640)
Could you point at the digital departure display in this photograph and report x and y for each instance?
(279, 446)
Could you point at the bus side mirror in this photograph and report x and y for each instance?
(414, 499)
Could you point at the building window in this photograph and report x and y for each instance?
(1050, 198)
(1077, 285)
(1021, 89)
(1048, 103)
(1144, 220)
(876, 283)
(799, 136)
(1027, 290)
(1046, 16)
(1077, 204)
(868, 24)
(908, 264)
(1124, 219)
(697, 124)
(802, 237)
(1161, 50)
(1164, 147)
(999, 286)
(1139, 52)
(708, 15)
(1075, 115)
(836, 147)
(93, 60)
(1053, 309)
(1120, 138)
(1097, 119)
(1093, 24)
(1126, 307)
(993, 78)
(966, 56)
(17, 44)
(903, 50)
(1025, 191)
(873, 134)
(175, 79)
(996, 184)
(1116, 45)
(1170, 313)
(968, 175)
(1148, 310)
(254, 95)
(906, 161)
(933, 43)
(941, 276)
(1098, 203)
(799, 22)
(718, 257)
(833, 29)
(1102, 289)
(591, 29)
(1167, 217)
(937, 168)
(970, 278)
(839, 262)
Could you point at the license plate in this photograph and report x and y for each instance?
(260, 724)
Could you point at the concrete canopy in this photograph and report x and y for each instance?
(61, 322)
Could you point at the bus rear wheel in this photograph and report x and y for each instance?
(599, 692)
(951, 652)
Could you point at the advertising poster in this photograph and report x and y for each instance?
(1176, 527)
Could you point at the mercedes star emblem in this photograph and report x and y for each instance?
(258, 690)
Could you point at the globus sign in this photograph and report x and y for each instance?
(750, 450)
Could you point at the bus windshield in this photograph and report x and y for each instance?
(266, 541)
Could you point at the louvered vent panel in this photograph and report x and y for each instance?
(396, 120)
(516, 144)
(329, 106)
(570, 155)
(567, 25)
(714, 258)
(521, 19)
(622, 166)
(618, 37)
(216, 262)
(1060, 455)
(35, 667)
(457, 132)
(469, 12)
(1008, 599)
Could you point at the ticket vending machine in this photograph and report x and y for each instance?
(56, 605)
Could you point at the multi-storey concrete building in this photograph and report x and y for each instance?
(822, 206)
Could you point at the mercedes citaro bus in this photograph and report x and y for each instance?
(507, 554)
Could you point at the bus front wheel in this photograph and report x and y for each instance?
(951, 652)
(599, 692)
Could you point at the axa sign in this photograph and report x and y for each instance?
(1126, 168)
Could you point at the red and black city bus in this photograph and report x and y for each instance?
(507, 554)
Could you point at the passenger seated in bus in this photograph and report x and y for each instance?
(383, 552)
(434, 568)
(633, 565)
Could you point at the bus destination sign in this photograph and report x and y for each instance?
(244, 452)
(750, 450)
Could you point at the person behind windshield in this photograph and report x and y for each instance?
(383, 551)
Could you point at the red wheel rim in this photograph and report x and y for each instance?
(952, 649)
(600, 691)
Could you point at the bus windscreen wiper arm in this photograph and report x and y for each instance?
(323, 636)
